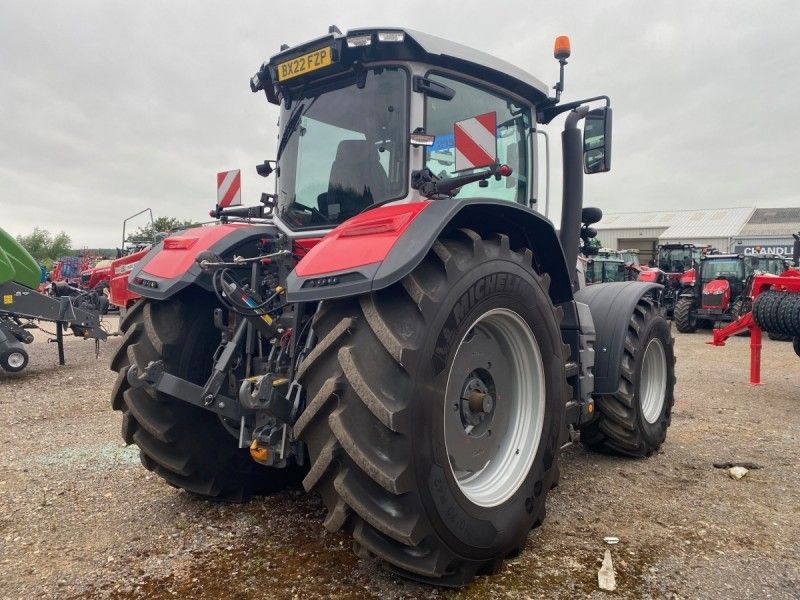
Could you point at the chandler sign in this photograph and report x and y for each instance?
(784, 248)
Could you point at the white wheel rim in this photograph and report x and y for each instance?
(518, 410)
(16, 360)
(653, 380)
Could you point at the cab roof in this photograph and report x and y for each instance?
(415, 46)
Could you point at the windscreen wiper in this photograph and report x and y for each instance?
(291, 126)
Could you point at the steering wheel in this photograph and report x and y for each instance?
(309, 209)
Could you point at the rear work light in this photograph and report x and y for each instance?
(378, 225)
(358, 41)
(179, 243)
(391, 36)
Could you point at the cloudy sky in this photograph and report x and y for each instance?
(109, 107)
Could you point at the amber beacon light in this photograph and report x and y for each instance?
(561, 49)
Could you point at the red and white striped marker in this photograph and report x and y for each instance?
(229, 188)
(476, 141)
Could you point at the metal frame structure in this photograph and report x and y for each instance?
(788, 282)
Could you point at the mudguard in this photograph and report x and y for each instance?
(170, 265)
(611, 305)
(379, 247)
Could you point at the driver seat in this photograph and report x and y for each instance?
(357, 180)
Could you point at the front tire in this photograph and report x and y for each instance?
(185, 445)
(14, 359)
(685, 321)
(634, 420)
(405, 381)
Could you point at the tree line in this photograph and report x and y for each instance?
(47, 247)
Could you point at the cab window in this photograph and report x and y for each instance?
(513, 125)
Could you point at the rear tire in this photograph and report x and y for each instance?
(796, 345)
(187, 446)
(384, 399)
(779, 337)
(685, 322)
(634, 421)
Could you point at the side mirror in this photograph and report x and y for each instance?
(266, 168)
(597, 141)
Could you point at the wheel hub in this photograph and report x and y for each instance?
(653, 381)
(15, 360)
(494, 408)
(477, 403)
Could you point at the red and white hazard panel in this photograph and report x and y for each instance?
(476, 141)
(229, 188)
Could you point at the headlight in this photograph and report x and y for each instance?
(357, 41)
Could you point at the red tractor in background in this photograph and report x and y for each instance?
(632, 265)
(129, 253)
(722, 290)
(97, 276)
(398, 325)
(119, 295)
(674, 268)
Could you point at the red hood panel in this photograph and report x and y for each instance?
(365, 239)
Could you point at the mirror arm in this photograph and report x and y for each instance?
(549, 112)
(429, 185)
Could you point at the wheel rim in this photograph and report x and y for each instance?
(494, 408)
(653, 380)
(15, 360)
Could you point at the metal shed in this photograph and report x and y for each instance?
(769, 230)
(645, 230)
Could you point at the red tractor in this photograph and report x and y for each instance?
(674, 268)
(722, 291)
(398, 325)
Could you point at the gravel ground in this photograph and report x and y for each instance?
(81, 518)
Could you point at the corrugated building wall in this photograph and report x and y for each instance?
(610, 237)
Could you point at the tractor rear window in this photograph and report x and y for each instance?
(342, 149)
(513, 127)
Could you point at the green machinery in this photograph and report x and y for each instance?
(20, 302)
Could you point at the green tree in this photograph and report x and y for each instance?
(44, 246)
(161, 224)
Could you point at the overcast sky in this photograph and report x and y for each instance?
(108, 107)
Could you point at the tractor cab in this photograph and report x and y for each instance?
(722, 277)
(605, 266)
(677, 258)
(377, 116)
(765, 264)
(604, 269)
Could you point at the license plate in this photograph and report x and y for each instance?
(304, 64)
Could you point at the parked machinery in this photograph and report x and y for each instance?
(673, 267)
(21, 303)
(605, 266)
(722, 290)
(398, 320)
(776, 310)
